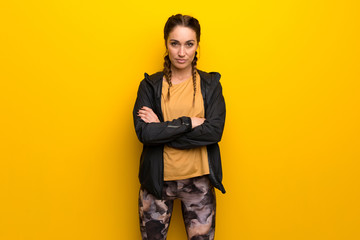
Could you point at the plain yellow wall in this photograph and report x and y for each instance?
(69, 74)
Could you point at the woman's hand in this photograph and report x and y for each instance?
(147, 115)
(196, 121)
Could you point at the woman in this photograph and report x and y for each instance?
(179, 116)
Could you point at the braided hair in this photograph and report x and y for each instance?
(172, 22)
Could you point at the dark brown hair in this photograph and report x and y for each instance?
(172, 22)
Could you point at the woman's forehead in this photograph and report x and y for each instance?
(181, 33)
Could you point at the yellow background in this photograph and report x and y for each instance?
(69, 74)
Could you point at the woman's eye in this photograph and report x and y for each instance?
(173, 43)
(190, 44)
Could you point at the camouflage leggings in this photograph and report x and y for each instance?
(198, 206)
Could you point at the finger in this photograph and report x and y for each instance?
(145, 111)
(145, 119)
(141, 110)
(149, 110)
(142, 116)
(146, 108)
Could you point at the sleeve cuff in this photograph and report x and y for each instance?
(187, 122)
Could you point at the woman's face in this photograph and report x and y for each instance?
(182, 46)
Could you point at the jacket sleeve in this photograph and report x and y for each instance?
(212, 128)
(156, 133)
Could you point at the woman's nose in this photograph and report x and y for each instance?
(181, 52)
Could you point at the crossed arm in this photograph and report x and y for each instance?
(148, 116)
(203, 131)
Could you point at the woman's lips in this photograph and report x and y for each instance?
(181, 60)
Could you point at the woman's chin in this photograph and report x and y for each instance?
(181, 66)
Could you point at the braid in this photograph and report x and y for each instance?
(167, 72)
(193, 65)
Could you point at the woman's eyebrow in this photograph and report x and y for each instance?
(174, 40)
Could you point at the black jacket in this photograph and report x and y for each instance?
(178, 133)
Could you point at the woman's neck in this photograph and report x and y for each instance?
(181, 74)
